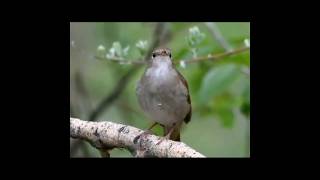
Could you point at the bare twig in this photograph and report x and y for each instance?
(209, 57)
(161, 34)
(109, 134)
(121, 60)
(213, 28)
(115, 93)
(217, 56)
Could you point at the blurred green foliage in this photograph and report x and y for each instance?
(220, 90)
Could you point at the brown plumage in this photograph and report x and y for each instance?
(163, 94)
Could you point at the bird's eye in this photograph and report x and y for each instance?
(170, 55)
(153, 55)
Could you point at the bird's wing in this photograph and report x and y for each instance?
(185, 83)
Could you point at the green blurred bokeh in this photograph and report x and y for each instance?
(220, 91)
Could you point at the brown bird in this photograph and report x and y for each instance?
(163, 94)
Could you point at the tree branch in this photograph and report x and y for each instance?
(209, 57)
(121, 60)
(106, 135)
(217, 56)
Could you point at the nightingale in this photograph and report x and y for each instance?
(163, 94)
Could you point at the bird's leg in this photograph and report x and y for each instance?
(170, 132)
(148, 131)
(155, 123)
(167, 136)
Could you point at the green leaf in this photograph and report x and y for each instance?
(245, 108)
(180, 54)
(222, 106)
(226, 117)
(216, 81)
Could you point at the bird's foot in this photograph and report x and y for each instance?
(167, 137)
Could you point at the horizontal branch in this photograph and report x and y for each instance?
(218, 56)
(121, 60)
(209, 57)
(107, 135)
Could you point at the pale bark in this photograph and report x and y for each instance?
(107, 135)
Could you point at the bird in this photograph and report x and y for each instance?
(163, 94)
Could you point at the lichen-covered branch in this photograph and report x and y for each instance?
(107, 135)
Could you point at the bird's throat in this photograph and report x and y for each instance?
(160, 69)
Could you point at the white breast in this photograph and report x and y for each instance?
(159, 70)
(165, 99)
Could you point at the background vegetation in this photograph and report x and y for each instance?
(220, 90)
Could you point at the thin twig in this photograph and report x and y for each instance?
(115, 93)
(109, 134)
(121, 60)
(217, 56)
(209, 57)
